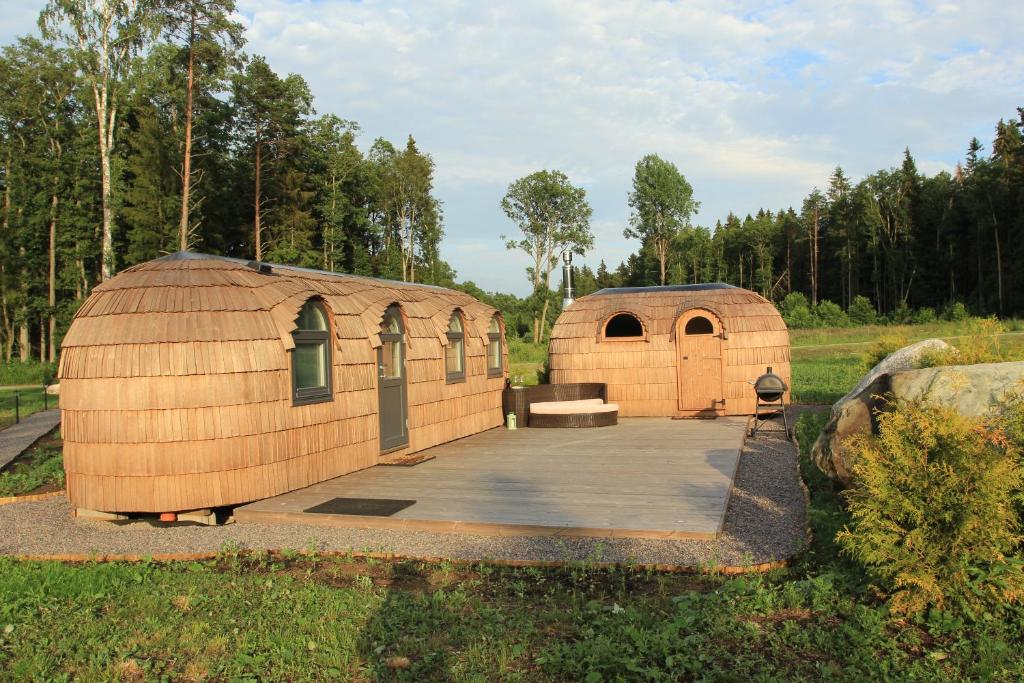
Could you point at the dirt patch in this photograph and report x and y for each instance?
(419, 577)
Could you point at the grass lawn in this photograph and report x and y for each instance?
(29, 400)
(252, 616)
(825, 378)
(38, 470)
(827, 363)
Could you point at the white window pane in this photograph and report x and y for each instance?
(494, 355)
(310, 366)
(453, 357)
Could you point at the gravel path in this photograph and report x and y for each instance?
(764, 522)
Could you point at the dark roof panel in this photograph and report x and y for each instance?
(702, 287)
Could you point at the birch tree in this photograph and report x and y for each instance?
(554, 217)
(104, 35)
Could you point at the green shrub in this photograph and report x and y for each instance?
(862, 311)
(796, 311)
(830, 315)
(800, 319)
(902, 315)
(956, 311)
(923, 316)
(932, 512)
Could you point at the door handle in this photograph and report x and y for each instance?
(686, 358)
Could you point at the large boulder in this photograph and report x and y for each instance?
(907, 358)
(972, 390)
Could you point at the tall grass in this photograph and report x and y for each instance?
(30, 372)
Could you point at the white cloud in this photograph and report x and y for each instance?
(754, 103)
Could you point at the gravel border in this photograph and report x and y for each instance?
(764, 522)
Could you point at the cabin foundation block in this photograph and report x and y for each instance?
(99, 515)
(204, 516)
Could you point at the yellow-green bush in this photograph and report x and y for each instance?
(979, 343)
(933, 514)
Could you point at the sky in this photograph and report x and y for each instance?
(756, 103)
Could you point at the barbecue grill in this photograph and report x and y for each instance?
(771, 399)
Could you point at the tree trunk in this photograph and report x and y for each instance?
(789, 260)
(52, 300)
(814, 259)
(999, 256)
(24, 343)
(8, 330)
(186, 172)
(662, 258)
(106, 118)
(257, 228)
(8, 326)
(543, 319)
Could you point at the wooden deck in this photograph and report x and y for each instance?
(645, 477)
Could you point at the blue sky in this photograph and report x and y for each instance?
(754, 102)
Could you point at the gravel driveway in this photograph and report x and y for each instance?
(764, 522)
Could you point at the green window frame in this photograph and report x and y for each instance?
(495, 352)
(311, 357)
(455, 352)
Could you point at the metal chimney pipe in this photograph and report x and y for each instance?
(567, 277)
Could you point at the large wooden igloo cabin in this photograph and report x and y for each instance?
(678, 350)
(197, 381)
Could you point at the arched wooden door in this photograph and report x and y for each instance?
(392, 408)
(699, 362)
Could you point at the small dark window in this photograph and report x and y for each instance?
(623, 325)
(699, 325)
(311, 358)
(455, 352)
(494, 351)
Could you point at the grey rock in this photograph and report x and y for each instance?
(972, 390)
(907, 358)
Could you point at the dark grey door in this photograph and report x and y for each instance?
(392, 408)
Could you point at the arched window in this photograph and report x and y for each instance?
(455, 352)
(494, 350)
(699, 325)
(623, 326)
(311, 359)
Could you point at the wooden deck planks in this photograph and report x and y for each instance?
(646, 477)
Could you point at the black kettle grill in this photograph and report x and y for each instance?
(771, 396)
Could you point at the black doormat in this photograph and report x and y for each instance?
(366, 507)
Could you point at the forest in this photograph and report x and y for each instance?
(892, 243)
(129, 130)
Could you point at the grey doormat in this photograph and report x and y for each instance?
(366, 507)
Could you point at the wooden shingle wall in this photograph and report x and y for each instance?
(642, 375)
(176, 383)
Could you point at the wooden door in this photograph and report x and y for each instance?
(699, 362)
(392, 409)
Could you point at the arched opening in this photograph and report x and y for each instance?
(391, 382)
(494, 351)
(623, 326)
(699, 325)
(455, 352)
(700, 363)
(311, 358)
